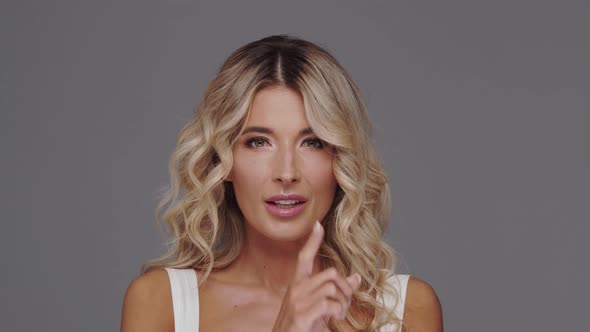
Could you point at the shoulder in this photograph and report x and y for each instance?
(422, 310)
(147, 305)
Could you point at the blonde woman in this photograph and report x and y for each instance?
(277, 208)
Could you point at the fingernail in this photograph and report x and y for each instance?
(318, 227)
(357, 278)
(353, 278)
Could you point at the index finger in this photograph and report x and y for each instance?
(308, 252)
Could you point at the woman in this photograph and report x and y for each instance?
(277, 206)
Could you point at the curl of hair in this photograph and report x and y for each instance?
(199, 207)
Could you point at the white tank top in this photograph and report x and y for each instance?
(185, 299)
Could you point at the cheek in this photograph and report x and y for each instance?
(248, 173)
(321, 175)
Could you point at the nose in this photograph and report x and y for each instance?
(286, 168)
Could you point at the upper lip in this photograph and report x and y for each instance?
(287, 197)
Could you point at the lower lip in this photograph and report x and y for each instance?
(287, 212)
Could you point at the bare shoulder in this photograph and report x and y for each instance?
(422, 311)
(147, 305)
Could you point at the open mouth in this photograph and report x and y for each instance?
(285, 204)
(285, 209)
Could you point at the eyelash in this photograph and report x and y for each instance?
(258, 138)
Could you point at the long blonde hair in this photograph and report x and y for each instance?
(200, 210)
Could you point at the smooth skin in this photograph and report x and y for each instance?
(275, 284)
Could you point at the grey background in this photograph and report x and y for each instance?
(480, 112)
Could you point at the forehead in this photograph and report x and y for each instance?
(278, 107)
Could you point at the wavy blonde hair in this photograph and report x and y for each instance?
(200, 210)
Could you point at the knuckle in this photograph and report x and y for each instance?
(332, 272)
(332, 291)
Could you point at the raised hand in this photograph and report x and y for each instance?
(312, 299)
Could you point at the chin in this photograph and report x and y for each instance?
(285, 230)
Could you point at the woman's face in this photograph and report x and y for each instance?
(279, 155)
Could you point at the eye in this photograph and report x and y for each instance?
(314, 143)
(256, 142)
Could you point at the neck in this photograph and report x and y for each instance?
(268, 263)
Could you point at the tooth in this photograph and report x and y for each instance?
(286, 202)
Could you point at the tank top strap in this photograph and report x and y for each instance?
(185, 299)
(397, 303)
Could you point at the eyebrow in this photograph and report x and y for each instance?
(265, 130)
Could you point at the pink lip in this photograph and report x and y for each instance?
(281, 212)
(284, 212)
(286, 197)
